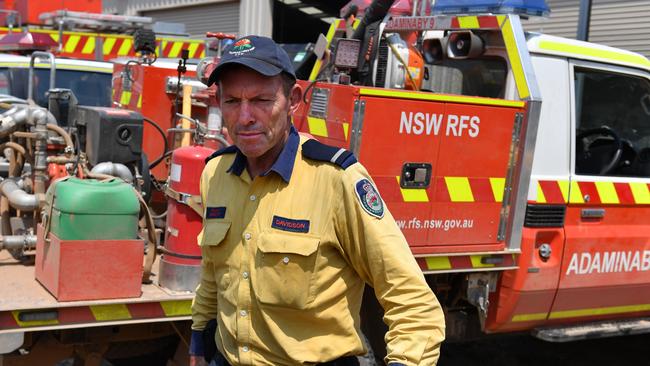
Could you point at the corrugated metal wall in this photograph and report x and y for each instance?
(198, 19)
(617, 23)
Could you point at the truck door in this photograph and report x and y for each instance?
(606, 260)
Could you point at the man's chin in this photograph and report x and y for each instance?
(252, 153)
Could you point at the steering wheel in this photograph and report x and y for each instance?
(618, 143)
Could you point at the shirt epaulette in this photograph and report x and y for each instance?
(316, 150)
(226, 150)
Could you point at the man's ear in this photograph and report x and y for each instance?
(295, 98)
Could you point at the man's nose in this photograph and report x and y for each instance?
(245, 114)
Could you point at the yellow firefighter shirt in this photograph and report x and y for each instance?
(286, 255)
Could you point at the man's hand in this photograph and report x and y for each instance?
(197, 361)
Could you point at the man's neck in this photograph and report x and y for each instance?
(261, 164)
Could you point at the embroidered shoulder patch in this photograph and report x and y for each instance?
(369, 198)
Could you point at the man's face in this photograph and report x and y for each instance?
(255, 110)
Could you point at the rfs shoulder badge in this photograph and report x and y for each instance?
(369, 198)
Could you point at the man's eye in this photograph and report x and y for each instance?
(230, 101)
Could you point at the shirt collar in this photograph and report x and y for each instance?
(283, 166)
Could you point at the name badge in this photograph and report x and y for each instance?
(215, 212)
(296, 226)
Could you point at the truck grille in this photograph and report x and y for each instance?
(544, 215)
(382, 63)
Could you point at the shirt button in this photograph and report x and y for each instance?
(245, 348)
(252, 197)
(243, 313)
(247, 236)
(285, 260)
(245, 275)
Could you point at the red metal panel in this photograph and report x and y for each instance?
(81, 314)
(89, 269)
(459, 207)
(146, 310)
(338, 121)
(606, 261)
(524, 296)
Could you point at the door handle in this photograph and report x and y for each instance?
(592, 213)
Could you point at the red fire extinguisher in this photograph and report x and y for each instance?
(180, 267)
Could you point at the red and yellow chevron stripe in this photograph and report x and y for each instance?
(84, 45)
(94, 314)
(475, 22)
(128, 99)
(593, 192)
(322, 128)
(466, 263)
(446, 189)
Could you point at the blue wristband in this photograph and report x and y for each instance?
(196, 343)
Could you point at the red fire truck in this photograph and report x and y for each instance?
(515, 164)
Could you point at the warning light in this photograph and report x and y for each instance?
(523, 7)
(27, 42)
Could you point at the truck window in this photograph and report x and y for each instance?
(90, 88)
(612, 124)
(485, 77)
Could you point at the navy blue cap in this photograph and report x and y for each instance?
(261, 54)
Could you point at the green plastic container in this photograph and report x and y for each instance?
(87, 209)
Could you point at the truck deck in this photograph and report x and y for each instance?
(26, 305)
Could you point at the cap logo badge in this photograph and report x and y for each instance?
(241, 47)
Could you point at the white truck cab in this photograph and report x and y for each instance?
(89, 80)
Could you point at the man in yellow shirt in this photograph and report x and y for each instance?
(293, 230)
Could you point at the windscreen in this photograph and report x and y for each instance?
(484, 77)
(90, 88)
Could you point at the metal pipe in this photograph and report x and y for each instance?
(61, 159)
(15, 162)
(14, 146)
(25, 242)
(18, 198)
(113, 169)
(20, 115)
(584, 20)
(64, 134)
(10, 99)
(5, 215)
(11, 157)
(30, 84)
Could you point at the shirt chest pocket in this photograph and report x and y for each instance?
(210, 239)
(284, 269)
(213, 233)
